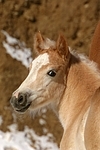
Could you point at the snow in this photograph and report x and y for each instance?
(26, 139)
(22, 140)
(42, 121)
(17, 49)
(44, 110)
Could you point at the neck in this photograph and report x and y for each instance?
(77, 96)
(73, 108)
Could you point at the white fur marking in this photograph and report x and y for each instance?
(40, 61)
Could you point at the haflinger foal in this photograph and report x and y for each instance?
(69, 83)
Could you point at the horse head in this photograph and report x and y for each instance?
(47, 77)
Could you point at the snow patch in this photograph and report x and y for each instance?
(43, 110)
(17, 49)
(42, 121)
(23, 140)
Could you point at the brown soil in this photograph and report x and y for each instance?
(21, 19)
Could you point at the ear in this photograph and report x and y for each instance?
(38, 41)
(41, 43)
(62, 47)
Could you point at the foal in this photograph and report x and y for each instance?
(66, 81)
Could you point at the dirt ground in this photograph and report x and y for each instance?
(76, 19)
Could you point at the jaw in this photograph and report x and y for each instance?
(39, 103)
(45, 98)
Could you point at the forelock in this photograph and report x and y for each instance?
(48, 44)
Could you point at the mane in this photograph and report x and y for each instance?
(85, 59)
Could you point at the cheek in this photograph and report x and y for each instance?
(42, 81)
(60, 77)
(56, 90)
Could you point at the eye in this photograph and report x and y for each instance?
(51, 73)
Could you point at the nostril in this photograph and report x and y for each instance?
(22, 100)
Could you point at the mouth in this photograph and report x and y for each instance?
(23, 109)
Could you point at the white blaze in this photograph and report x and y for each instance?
(37, 63)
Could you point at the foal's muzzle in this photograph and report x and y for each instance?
(21, 103)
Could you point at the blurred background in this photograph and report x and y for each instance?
(19, 21)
